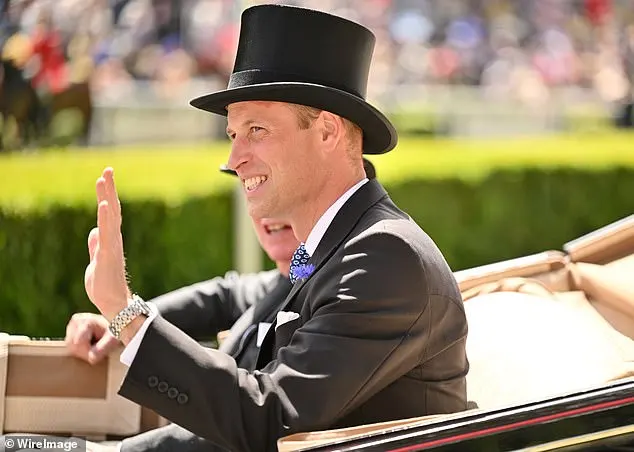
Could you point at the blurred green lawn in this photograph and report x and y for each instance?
(36, 180)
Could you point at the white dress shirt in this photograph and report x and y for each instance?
(320, 228)
(312, 241)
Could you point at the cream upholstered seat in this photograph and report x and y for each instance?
(555, 325)
(524, 347)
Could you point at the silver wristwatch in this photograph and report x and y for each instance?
(125, 316)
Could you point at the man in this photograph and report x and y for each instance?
(244, 303)
(374, 327)
(202, 310)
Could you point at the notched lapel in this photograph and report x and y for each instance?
(232, 345)
(283, 333)
(344, 222)
(266, 309)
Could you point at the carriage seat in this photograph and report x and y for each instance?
(548, 333)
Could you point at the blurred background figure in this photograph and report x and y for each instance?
(47, 59)
(552, 63)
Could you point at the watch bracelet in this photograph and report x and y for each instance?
(127, 315)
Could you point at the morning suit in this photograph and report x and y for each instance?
(379, 334)
(236, 302)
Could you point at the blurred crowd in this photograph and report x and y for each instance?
(496, 44)
(60, 55)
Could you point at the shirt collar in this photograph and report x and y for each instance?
(320, 228)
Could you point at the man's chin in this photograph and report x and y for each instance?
(260, 209)
(255, 210)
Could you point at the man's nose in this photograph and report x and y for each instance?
(239, 154)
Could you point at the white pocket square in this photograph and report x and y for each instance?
(285, 317)
(263, 328)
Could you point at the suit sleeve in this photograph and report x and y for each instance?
(361, 333)
(206, 308)
(170, 438)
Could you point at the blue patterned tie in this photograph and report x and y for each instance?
(300, 268)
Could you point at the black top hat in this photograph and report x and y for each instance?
(307, 57)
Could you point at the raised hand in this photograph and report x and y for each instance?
(105, 277)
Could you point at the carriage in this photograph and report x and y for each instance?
(550, 345)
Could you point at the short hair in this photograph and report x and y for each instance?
(306, 116)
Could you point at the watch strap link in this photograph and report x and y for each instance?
(125, 316)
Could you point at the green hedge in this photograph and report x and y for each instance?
(44, 256)
(480, 206)
(514, 213)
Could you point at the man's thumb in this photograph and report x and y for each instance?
(101, 349)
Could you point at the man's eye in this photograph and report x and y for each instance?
(254, 129)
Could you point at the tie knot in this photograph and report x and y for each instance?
(300, 268)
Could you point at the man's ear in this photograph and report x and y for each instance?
(332, 129)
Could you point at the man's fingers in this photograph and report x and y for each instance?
(70, 332)
(103, 213)
(102, 209)
(78, 340)
(80, 351)
(93, 240)
(83, 335)
(104, 192)
(101, 190)
(101, 349)
(107, 192)
(112, 195)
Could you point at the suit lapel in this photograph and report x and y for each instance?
(268, 306)
(344, 222)
(233, 343)
(262, 311)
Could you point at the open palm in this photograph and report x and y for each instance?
(105, 276)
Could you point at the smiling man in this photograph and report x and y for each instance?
(244, 303)
(374, 327)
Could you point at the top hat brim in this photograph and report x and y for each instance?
(379, 135)
(370, 171)
(225, 169)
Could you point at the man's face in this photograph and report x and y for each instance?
(277, 162)
(277, 239)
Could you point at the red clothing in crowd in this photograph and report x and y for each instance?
(51, 73)
(598, 11)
